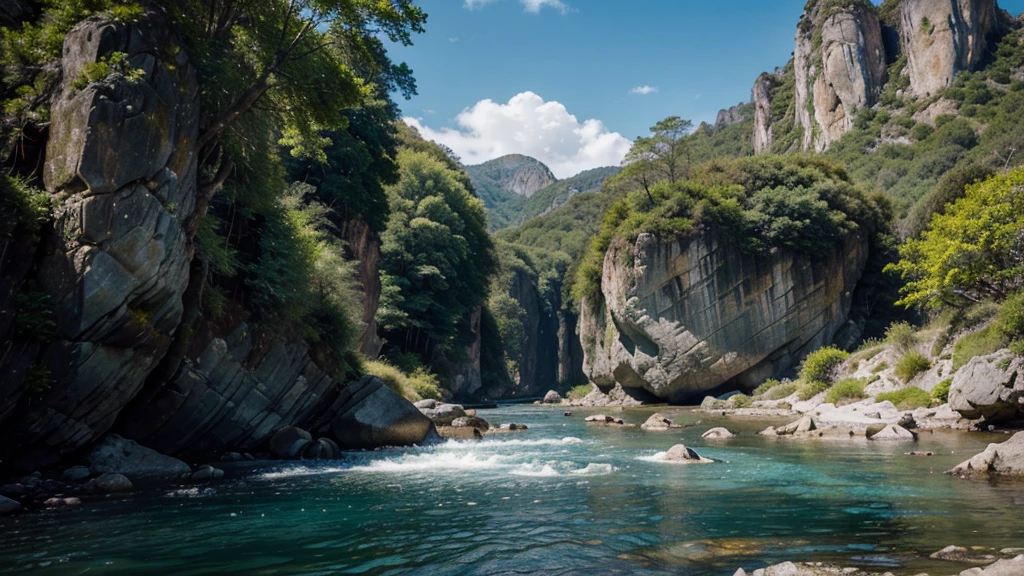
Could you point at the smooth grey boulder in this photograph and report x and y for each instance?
(110, 483)
(804, 424)
(8, 506)
(894, 432)
(76, 474)
(552, 397)
(444, 414)
(115, 454)
(684, 455)
(717, 433)
(1006, 458)
(471, 421)
(989, 387)
(321, 449)
(375, 416)
(658, 422)
(1010, 567)
(289, 442)
(205, 473)
(428, 404)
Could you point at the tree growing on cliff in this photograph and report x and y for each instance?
(973, 251)
(664, 155)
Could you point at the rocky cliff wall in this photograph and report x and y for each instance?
(680, 318)
(761, 96)
(364, 247)
(943, 38)
(840, 69)
(120, 159)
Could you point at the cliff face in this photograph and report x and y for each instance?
(841, 73)
(761, 96)
(120, 156)
(943, 38)
(681, 318)
(120, 159)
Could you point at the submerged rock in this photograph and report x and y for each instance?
(512, 427)
(110, 483)
(605, 420)
(893, 432)
(8, 506)
(658, 422)
(1006, 458)
(127, 457)
(717, 433)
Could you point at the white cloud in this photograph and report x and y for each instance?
(529, 125)
(643, 90)
(535, 6)
(532, 6)
(453, 39)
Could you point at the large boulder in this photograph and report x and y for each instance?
(552, 397)
(110, 483)
(717, 434)
(289, 442)
(941, 39)
(1006, 458)
(115, 454)
(121, 160)
(375, 416)
(658, 422)
(8, 506)
(677, 318)
(989, 387)
(444, 414)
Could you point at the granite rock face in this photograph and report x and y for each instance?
(989, 387)
(761, 97)
(851, 75)
(680, 318)
(944, 38)
(120, 156)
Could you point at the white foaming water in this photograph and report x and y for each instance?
(433, 461)
(658, 457)
(487, 444)
(595, 469)
(297, 472)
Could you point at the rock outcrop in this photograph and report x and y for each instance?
(120, 156)
(516, 173)
(1006, 458)
(989, 387)
(941, 39)
(468, 378)
(761, 97)
(363, 246)
(118, 455)
(374, 416)
(847, 74)
(679, 318)
(729, 116)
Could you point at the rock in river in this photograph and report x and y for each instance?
(1006, 458)
(289, 442)
(717, 433)
(552, 397)
(121, 456)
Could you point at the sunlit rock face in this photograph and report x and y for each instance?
(679, 318)
(944, 37)
(840, 69)
(121, 161)
(761, 96)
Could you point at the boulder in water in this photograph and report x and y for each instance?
(121, 456)
(658, 422)
(989, 387)
(321, 449)
(444, 414)
(717, 433)
(682, 454)
(377, 416)
(110, 483)
(894, 432)
(804, 424)
(8, 506)
(1006, 458)
(552, 397)
(289, 442)
(471, 421)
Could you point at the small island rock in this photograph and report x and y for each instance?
(717, 433)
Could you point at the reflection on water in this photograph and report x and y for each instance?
(559, 498)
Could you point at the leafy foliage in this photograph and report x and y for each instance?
(981, 343)
(909, 398)
(941, 390)
(901, 336)
(910, 365)
(418, 385)
(974, 250)
(848, 389)
(822, 364)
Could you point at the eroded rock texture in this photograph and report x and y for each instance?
(944, 37)
(120, 157)
(679, 318)
(840, 69)
(761, 96)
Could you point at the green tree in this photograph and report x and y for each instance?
(664, 155)
(973, 251)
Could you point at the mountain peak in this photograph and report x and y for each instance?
(516, 173)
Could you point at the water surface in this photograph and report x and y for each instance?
(559, 498)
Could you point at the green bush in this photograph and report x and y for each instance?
(766, 386)
(846, 389)
(413, 387)
(1017, 348)
(781, 391)
(579, 392)
(881, 366)
(741, 401)
(907, 398)
(941, 390)
(1011, 316)
(901, 336)
(979, 343)
(821, 365)
(808, 390)
(911, 365)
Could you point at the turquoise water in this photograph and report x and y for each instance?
(560, 498)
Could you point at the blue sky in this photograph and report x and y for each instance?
(565, 59)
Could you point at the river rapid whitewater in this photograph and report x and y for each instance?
(560, 498)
